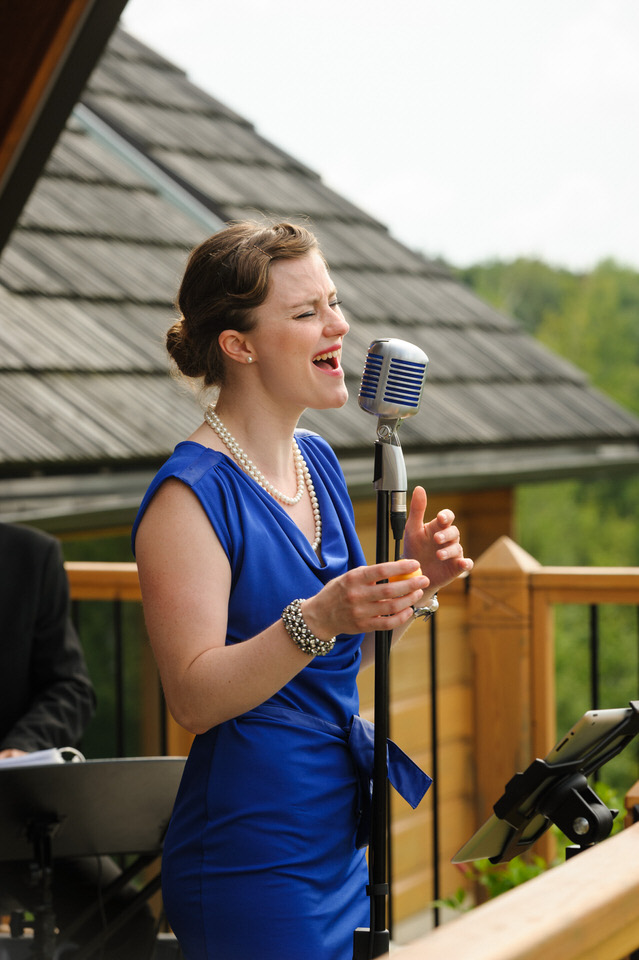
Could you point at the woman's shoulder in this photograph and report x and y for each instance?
(209, 473)
(190, 461)
(195, 466)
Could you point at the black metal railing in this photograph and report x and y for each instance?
(597, 657)
(113, 640)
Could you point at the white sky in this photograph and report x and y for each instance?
(471, 128)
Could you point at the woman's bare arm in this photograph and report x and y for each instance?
(185, 579)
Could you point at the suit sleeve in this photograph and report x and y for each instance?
(62, 698)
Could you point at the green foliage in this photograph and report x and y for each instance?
(459, 902)
(580, 522)
(614, 800)
(498, 878)
(107, 549)
(495, 878)
(524, 289)
(596, 327)
(591, 319)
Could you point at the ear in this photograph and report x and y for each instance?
(233, 345)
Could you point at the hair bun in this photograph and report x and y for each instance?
(180, 350)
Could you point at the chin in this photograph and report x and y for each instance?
(335, 404)
(332, 406)
(341, 396)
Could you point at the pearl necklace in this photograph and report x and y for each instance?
(304, 479)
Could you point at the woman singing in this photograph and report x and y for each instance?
(261, 609)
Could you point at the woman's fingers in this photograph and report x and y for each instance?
(358, 601)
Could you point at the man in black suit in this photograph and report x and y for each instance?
(46, 696)
(46, 700)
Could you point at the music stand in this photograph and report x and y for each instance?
(555, 790)
(93, 808)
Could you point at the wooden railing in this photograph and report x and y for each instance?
(511, 630)
(103, 581)
(495, 701)
(584, 909)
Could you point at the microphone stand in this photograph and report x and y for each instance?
(390, 483)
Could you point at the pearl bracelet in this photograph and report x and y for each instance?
(301, 635)
(427, 612)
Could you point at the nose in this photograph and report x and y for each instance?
(335, 323)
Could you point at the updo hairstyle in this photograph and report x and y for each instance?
(226, 277)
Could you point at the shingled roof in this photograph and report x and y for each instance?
(147, 167)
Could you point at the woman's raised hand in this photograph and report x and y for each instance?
(365, 600)
(435, 545)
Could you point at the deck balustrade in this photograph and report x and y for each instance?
(484, 684)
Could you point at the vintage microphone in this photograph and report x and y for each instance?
(391, 389)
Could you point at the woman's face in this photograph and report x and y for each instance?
(297, 338)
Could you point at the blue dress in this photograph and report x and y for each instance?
(262, 859)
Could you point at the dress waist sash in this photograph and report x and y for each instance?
(359, 735)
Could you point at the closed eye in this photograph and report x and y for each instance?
(311, 313)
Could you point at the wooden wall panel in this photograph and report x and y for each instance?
(34, 36)
(48, 49)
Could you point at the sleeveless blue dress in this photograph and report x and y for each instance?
(263, 859)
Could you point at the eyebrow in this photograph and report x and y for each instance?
(313, 300)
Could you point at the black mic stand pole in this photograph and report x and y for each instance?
(390, 483)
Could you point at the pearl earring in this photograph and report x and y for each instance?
(249, 359)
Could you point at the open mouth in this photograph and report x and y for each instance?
(327, 361)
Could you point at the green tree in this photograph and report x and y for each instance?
(524, 289)
(596, 326)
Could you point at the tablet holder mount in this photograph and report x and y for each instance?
(559, 793)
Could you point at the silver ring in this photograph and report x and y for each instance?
(427, 612)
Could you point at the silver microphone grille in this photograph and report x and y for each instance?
(393, 379)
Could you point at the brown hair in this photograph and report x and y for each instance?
(226, 277)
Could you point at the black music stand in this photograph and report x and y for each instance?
(92, 808)
(552, 791)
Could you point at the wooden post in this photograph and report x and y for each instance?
(501, 643)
